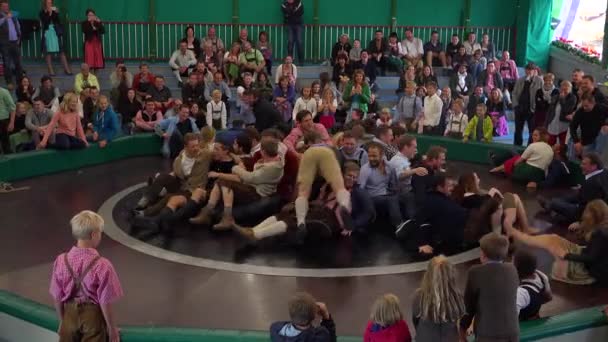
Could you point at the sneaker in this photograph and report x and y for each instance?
(405, 229)
(142, 203)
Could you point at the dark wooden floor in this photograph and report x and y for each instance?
(34, 227)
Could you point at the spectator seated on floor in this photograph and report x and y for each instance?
(160, 94)
(480, 127)
(305, 102)
(384, 137)
(175, 196)
(172, 130)
(264, 114)
(85, 79)
(182, 61)
(218, 84)
(202, 72)
(284, 97)
(368, 67)
(434, 162)
(193, 91)
(457, 121)
(490, 295)
(433, 51)
(231, 63)
(534, 289)
(561, 105)
(105, 123)
(595, 186)
(351, 151)
(386, 321)
(341, 47)
(37, 120)
(471, 46)
(147, 118)
(438, 304)
(393, 54)
(90, 98)
(121, 80)
(576, 264)
(384, 118)
(476, 98)
(592, 119)
(354, 55)
(432, 108)
(47, 92)
(324, 220)
(508, 71)
(376, 49)
(357, 93)
(128, 108)
(251, 60)
(341, 72)
(143, 81)
(95, 273)
(532, 166)
(413, 50)
(409, 108)
(304, 125)
(460, 58)
(24, 90)
(66, 125)
(303, 312)
(208, 56)
(487, 48)
(426, 75)
(242, 186)
(490, 79)
(476, 65)
(379, 180)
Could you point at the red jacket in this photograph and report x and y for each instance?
(398, 332)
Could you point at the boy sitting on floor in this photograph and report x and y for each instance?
(534, 289)
(302, 311)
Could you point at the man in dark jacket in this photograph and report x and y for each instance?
(266, 115)
(302, 310)
(293, 10)
(595, 186)
(342, 47)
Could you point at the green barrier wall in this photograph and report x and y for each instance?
(37, 163)
(45, 317)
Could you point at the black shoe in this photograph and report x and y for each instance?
(301, 233)
(142, 203)
(347, 219)
(405, 229)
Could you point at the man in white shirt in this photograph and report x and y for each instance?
(413, 49)
(432, 111)
(182, 60)
(471, 45)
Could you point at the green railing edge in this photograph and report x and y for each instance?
(45, 317)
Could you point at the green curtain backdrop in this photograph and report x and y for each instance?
(534, 32)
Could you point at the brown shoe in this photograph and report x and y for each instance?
(225, 224)
(246, 233)
(203, 218)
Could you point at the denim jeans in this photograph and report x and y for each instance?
(294, 37)
(388, 204)
(567, 206)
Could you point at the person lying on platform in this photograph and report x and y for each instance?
(575, 264)
(532, 166)
(323, 218)
(480, 127)
(303, 310)
(83, 301)
(185, 187)
(242, 186)
(595, 186)
(534, 289)
(172, 130)
(105, 124)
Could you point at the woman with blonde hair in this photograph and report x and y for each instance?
(207, 138)
(326, 109)
(438, 304)
(357, 93)
(575, 264)
(69, 133)
(386, 322)
(337, 139)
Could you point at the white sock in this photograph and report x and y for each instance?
(301, 205)
(269, 230)
(266, 222)
(343, 199)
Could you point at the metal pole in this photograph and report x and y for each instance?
(315, 36)
(605, 45)
(235, 19)
(153, 48)
(393, 14)
(468, 7)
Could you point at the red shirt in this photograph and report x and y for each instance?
(100, 285)
(398, 332)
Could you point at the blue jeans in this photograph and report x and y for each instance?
(407, 204)
(294, 37)
(567, 206)
(388, 204)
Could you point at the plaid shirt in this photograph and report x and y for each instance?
(100, 285)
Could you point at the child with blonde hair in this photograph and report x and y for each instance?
(386, 322)
(216, 111)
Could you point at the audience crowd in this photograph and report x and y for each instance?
(324, 160)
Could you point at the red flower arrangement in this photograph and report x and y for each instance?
(586, 53)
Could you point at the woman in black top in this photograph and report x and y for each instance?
(24, 91)
(342, 72)
(194, 44)
(52, 36)
(128, 107)
(426, 76)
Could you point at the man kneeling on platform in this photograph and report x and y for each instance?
(242, 186)
(84, 285)
(323, 218)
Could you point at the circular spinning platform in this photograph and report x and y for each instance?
(379, 253)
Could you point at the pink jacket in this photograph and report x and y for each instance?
(297, 134)
(512, 73)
